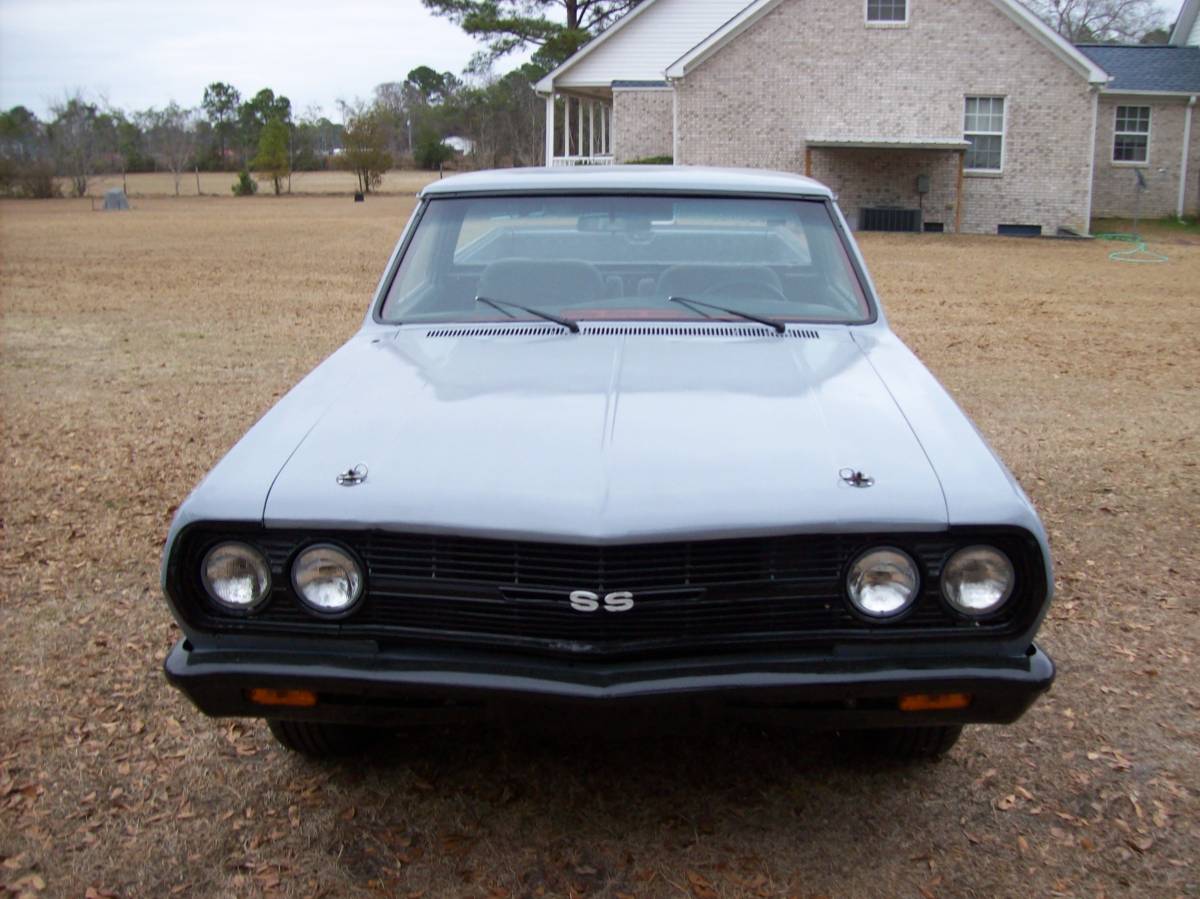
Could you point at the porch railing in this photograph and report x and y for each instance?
(582, 160)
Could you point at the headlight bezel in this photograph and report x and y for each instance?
(226, 607)
(307, 605)
(893, 617)
(1001, 607)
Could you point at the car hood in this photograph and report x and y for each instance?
(607, 438)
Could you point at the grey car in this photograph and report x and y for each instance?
(622, 439)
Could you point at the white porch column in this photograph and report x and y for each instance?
(549, 127)
(579, 121)
(675, 127)
(591, 127)
(1183, 164)
(566, 126)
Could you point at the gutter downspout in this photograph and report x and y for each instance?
(1183, 165)
(1087, 221)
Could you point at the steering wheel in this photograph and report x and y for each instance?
(760, 289)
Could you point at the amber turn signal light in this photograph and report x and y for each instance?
(933, 702)
(269, 696)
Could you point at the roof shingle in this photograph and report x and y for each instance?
(1147, 67)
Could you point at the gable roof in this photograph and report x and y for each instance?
(653, 34)
(1185, 25)
(1159, 68)
(1016, 11)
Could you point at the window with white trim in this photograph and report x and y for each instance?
(887, 11)
(1131, 134)
(983, 129)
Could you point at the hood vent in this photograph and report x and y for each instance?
(497, 331)
(597, 330)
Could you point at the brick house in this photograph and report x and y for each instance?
(955, 115)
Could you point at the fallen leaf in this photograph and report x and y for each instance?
(1140, 843)
(701, 888)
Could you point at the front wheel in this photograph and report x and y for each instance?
(928, 742)
(316, 739)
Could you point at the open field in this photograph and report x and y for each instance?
(220, 184)
(138, 346)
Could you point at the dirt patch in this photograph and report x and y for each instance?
(138, 346)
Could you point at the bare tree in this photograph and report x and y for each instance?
(365, 144)
(171, 133)
(1099, 21)
(76, 140)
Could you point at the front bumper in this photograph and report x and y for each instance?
(362, 684)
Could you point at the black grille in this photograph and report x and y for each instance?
(888, 219)
(719, 593)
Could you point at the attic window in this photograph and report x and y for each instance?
(887, 12)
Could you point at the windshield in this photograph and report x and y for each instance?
(624, 257)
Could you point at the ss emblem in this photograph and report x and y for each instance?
(587, 601)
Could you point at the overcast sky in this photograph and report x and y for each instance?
(140, 53)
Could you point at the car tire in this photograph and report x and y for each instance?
(318, 740)
(930, 742)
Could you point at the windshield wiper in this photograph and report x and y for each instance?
(548, 316)
(749, 316)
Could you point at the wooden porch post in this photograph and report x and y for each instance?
(807, 160)
(962, 163)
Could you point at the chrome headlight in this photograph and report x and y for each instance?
(237, 576)
(328, 579)
(978, 580)
(882, 583)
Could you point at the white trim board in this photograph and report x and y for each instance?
(546, 84)
(1185, 24)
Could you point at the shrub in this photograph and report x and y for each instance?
(653, 160)
(28, 180)
(37, 182)
(245, 186)
(430, 152)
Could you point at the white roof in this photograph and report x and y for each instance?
(631, 178)
(652, 36)
(888, 143)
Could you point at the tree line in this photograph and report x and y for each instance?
(403, 123)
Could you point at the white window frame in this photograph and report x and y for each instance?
(1002, 133)
(886, 23)
(1149, 128)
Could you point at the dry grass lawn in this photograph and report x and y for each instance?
(138, 346)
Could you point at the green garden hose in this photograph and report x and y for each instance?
(1137, 253)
